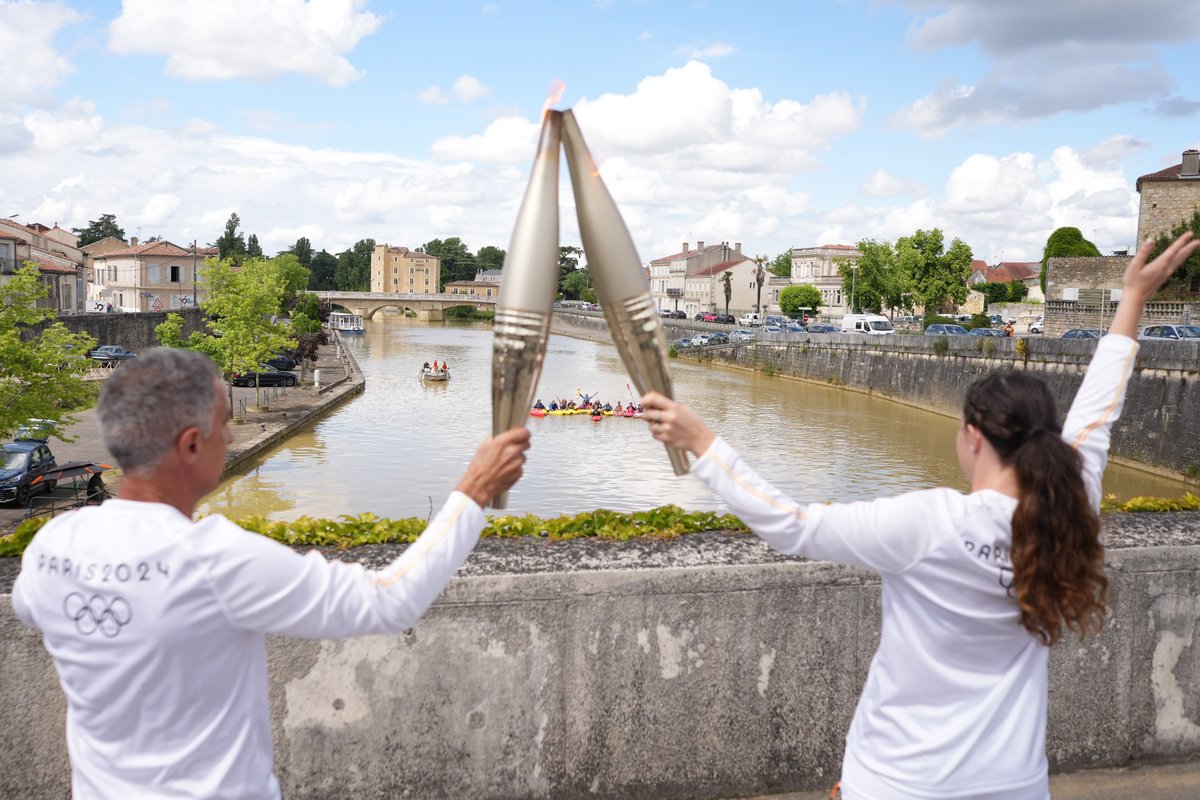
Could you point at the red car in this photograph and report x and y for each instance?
(709, 316)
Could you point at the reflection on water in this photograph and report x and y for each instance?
(398, 449)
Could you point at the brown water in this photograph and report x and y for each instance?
(398, 449)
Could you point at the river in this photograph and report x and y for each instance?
(398, 449)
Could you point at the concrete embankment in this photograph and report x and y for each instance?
(1159, 428)
(705, 667)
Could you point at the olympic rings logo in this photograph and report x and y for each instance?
(97, 614)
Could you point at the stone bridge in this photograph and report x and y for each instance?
(425, 306)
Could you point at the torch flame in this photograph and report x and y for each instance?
(553, 94)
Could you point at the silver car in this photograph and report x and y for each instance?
(1172, 333)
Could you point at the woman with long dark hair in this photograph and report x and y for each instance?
(975, 587)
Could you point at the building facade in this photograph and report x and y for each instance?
(475, 288)
(53, 251)
(1027, 272)
(1168, 196)
(704, 287)
(403, 271)
(818, 266)
(154, 276)
(669, 276)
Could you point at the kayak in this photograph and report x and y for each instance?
(596, 417)
(537, 412)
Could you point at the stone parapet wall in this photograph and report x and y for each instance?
(134, 330)
(711, 669)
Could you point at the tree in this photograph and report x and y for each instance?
(302, 249)
(760, 277)
(1017, 291)
(98, 229)
(727, 285)
(938, 276)
(458, 263)
(323, 266)
(231, 246)
(40, 377)
(294, 275)
(568, 262)
(1063, 243)
(782, 265)
(253, 248)
(243, 305)
(490, 257)
(574, 285)
(874, 280)
(795, 300)
(1187, 277)
(994, 292)
(353, 270)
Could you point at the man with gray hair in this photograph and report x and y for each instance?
(156, 623)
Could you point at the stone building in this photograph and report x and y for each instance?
(818, 266)
(1083, 292)
(475, 288)
(1169, 196)
(58, 260)
(669, 276)
(153, 276)
(404, 271)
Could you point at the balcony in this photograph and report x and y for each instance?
(674, 292)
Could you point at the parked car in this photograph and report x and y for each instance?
(867, 324)
(682, 343)
(1170, 332)
(986, 332)
(726, 319)
(718, 338)
(741, 335)
(710, 316)
(750, 320)
(822, 327)
(793, 327)
(1083, 333)
(999, 320)
(945, 329)
(285, 363)
(111, 354)
(21, 463)
(1038, 325)
(700, 339)
(772, 329)
(678, 315)
(699, 317)
(267, 376)
(775, 319)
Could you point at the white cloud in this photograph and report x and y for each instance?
(882, 184)
(468, 88)
(73, 125)
(645, 36)
(706, 51)
(433, 96)
(227, 39)
(31, 65)
(490, 8)
(1047, 58)
(158, 209)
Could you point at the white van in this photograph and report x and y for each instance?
(869, 324)
(750, 320)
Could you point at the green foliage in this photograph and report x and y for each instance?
(940, 345)
(938, 276)
(98, 229)
(253, 248)
(169, 333)
(568, 263)
(323, 266)
(40, 378)
(994, 292)
(1187, 277)
(727, 286)
(458, 262)
(468, 312)
(672, 352)
(782, 265)
(665, 522)
(1189, 502)
(875, 280)
(353, 270)
(490, 257)
(1017, 291)
(575, 284)
(294, 274)
(931, 318)
(979, 320)
(794, 299)
(1065, 242)
(303, 251)
(231, 245)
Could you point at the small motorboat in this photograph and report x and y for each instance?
(431, 374)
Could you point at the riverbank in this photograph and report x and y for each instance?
(256, 430)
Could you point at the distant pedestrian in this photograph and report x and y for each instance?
(108, 308)
(975, 586)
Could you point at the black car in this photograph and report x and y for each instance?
(821, 327)
(726, 319)
(718, 338)
(678, 315)
(1083, 333)
(269, 376)
(21, 463)
(682, 343)
(284, 363)
(111, 354)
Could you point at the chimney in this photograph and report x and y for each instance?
(699, 245)
(1191, 164)
(684, 248)
(737, 247)
(133, 241)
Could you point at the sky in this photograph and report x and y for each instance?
(774, 124)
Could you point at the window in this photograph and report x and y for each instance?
(174, 274)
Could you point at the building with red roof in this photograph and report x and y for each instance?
(147, 276)
(53, 251)
(1169, 196)
(689, 280)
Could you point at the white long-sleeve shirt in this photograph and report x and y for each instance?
(156, 625)
(955, 700)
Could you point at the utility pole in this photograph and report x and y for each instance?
(193, 273)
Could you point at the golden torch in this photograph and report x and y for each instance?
(621, 285)
(527, 291)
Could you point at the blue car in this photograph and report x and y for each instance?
(21, 463)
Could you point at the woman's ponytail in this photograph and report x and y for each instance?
(1057, 558)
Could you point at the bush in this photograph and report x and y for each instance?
(468, 312)
(979, 320)
(940, 345)
(932, 319)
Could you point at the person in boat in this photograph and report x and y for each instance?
(976, 587)
(445, 367)
(640, 410)
(553, 405)
(425, 367)
(617, 409)
(586, 398)
(608, 406)
(538, 404)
